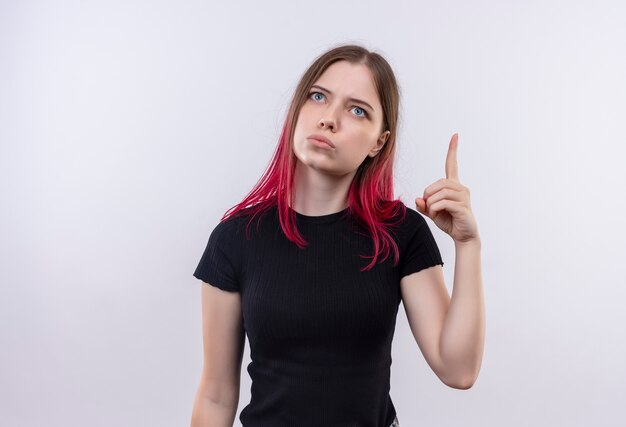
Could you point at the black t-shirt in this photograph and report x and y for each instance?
(320, 331)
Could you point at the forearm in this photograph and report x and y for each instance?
(214, 412)
(463, 332)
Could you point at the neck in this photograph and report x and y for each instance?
(317, 193)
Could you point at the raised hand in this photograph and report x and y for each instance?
(447, 201)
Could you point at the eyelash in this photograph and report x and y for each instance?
(355, 106)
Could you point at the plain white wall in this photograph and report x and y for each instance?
(129, 127)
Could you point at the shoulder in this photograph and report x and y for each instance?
(228, 227)
(243, 221)
(413, 219)
(412, 231)
(407, 221)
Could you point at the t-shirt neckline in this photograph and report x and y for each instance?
(319, 219)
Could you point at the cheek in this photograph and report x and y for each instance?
(362, 126)
(299, 138)
(306, 113)
(360, 134)
(304, 121)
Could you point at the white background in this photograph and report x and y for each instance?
(128, 128)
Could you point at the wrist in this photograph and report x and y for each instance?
(470, 243)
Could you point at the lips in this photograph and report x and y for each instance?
(322, 139)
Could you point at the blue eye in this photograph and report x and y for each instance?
(311, 95)
(364, 113)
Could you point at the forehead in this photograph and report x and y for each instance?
(348, 80)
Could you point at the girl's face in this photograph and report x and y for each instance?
(352, 125)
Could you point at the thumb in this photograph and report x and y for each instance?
(421, 205)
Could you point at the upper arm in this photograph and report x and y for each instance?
(426, 301)
(223, 341)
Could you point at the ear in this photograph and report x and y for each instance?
(380, 143)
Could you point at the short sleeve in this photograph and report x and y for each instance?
(218, 265)
(421, 250)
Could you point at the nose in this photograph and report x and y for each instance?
(328, 121)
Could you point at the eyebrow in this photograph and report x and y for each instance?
(360, 101)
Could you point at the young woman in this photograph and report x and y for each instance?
(288, 266)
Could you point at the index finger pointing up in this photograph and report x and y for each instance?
(452, 167)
